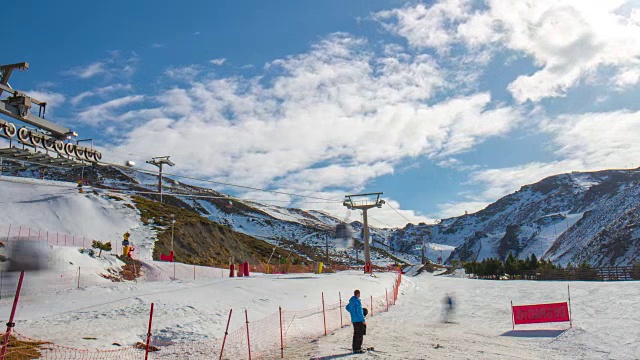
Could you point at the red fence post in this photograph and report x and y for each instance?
(246, 315)
(281, 337)
(11, 324)
(340, 296)
(146, 354)
(57, 239)
(226, 332)
(324, 317)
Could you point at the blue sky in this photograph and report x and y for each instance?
(445, 106)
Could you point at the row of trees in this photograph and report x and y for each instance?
(491, 267)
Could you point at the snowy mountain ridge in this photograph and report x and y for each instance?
(566, 218)
(574, 217)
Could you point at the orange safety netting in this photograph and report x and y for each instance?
(268, 337)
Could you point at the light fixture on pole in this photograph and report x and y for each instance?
(173, 223)
(78, 143)
(371, 200)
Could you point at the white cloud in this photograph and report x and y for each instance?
(88, 71)
(185, 73)
(115, 65)
(583, 142)
(333, 118)
(568, 40)
(218, 62)
(101, 91)
(50, 97)
(157, 45)
(96, 114)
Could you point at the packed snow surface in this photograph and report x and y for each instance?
(605, 322)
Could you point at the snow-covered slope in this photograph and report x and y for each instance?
(47, 208)
(569, 217)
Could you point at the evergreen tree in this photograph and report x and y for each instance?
(511, 265)
(533, 262)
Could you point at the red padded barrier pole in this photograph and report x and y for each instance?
(146, 354)
(226, 332)
(11, 324)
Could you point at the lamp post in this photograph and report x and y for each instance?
(173, 225)
(78, 143)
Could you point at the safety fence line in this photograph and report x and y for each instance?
(23, 232)
(269, 337)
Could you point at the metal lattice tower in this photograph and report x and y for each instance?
(364, 203)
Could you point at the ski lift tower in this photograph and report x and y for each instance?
(364, 202)
(159, 161)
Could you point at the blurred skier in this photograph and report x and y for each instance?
(449, 308)
(357, 319)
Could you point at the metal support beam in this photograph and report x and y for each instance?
(364, 205)
(159, 161)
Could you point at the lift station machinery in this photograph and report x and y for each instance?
(58, 142)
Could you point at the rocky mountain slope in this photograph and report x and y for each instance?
(572, 217)
(575, 217)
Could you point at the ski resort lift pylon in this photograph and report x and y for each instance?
(364, 203)
(51, 137)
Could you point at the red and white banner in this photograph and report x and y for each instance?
(540, 313)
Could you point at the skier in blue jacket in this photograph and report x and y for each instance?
(357, 318)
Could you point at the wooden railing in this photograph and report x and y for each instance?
(608, 273)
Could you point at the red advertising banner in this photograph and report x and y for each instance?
(540, 313)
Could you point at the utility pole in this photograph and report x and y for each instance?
(159, 161)
(326, 239)
(371, 200)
